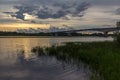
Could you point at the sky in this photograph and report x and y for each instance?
(72, 13)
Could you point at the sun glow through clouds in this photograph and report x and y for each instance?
(29, 17)
(14, 26)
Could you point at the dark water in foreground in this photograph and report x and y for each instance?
(17, 62)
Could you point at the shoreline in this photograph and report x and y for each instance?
(49, 36)
(102, 57)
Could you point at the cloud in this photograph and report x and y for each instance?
(118, 11)
(61, 12)
(33, 21)
(56, 10)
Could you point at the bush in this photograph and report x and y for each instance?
(117, 39)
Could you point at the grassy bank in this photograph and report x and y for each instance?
(103, 57)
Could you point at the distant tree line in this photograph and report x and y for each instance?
(2, 33)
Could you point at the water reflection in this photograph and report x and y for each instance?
(17, 62)
(41, 68)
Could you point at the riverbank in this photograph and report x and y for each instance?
(48, 36)
(102, 57)
(53, 34)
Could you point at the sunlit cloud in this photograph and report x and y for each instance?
(74, 13)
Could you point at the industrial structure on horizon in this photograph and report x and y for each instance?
(69, 30)
(40, 30)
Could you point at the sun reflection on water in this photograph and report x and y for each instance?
(17, 62)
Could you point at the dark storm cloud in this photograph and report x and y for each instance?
(95, 2)
(9, 13)
(8, 2)
(44, 9)
(61, 9)
(21, 10)
(118, 11)
(55, 10)
(106, 2)
(18, 15)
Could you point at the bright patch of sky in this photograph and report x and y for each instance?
(74, 13)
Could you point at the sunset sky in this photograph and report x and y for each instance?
(43, 13)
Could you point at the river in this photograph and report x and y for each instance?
(17, 62)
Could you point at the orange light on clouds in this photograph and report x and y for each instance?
(14, 26)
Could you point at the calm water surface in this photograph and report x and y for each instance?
(17, 62)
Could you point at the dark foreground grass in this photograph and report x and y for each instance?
(102, 57)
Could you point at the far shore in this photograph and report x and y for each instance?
(47, 36)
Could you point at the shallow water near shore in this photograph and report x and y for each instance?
(17, 62)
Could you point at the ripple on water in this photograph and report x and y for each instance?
(18, 65)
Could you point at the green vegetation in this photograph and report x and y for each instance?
(102, 57)
(117, 39)
(7, 34)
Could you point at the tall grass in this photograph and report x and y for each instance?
(102, 57)
(117, 38)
